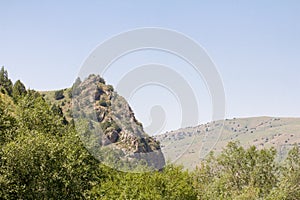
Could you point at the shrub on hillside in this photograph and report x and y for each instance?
(59, 95)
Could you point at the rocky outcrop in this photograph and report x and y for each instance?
(116, 125)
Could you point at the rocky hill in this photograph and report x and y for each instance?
(184, 146)
(109, 121)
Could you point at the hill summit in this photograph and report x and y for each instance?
(106, 123)
(112, 121)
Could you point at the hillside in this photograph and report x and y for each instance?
(113, 124)
(183, 146)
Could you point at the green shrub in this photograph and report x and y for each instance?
(110, 88)
(59, 95)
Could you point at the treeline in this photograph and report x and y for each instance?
(42, 157)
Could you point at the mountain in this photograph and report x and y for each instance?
(184, 146)
(110, 121)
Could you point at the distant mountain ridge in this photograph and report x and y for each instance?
(184, 145)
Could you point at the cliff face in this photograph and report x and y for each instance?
(113, 123)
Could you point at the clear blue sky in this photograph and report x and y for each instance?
(255, 44)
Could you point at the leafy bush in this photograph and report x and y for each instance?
(59, 94)
(105, 125)
(110, 88)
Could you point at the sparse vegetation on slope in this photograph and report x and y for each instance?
(262, 132)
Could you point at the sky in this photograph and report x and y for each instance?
(255, 46)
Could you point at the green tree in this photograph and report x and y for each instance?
(237, 172)
(34, 113)
(172, 183)
(18, 90)
(289, 186)
(5, 82)
(40, 157)
(41, 166)
(57, 110)
(7, 124)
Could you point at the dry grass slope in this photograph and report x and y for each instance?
(184, 145)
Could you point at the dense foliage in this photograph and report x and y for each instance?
(42, 157)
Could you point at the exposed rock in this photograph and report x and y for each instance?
(119, 127)
(113, 136)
